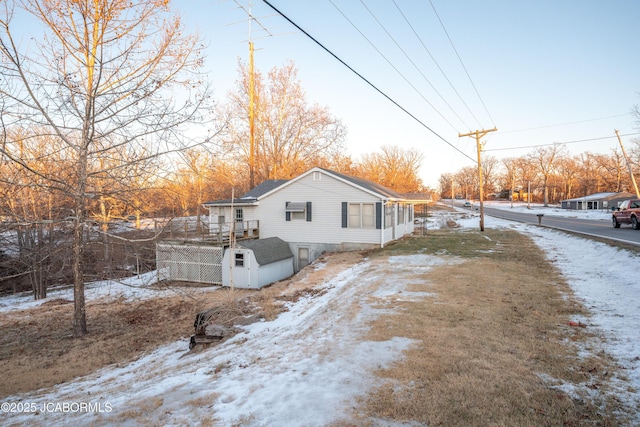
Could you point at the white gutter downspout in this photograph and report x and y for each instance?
(382, 224)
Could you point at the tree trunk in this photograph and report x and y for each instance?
(79, 313)
(39, 280)
(79, 309)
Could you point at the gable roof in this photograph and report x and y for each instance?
(268, 250)
(363, 184)
(270, 186)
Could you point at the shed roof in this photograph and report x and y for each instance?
(268, 250)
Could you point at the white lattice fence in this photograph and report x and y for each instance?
(190, 262)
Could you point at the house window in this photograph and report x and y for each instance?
(362, 215)
(239, 215)
(298, 211)
(239, 259)
(388, 215)
(400, 213)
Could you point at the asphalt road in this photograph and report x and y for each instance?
(589, 227)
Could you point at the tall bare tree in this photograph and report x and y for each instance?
(568, 171)
(393, 167)
(489, 173)
(445, 184)
(101, 77)
(466, 180)
(545, 159)
(291, 136)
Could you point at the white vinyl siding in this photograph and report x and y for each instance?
(326, 195)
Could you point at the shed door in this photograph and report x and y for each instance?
(303, 258)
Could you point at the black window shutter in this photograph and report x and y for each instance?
(287, 214)
(379, 215)
(308, 211)
(344, 214)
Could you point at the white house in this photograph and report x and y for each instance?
(320, 210)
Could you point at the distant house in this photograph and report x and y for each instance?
(596, 201)
(320, 210)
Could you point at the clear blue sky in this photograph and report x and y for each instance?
(537, 65)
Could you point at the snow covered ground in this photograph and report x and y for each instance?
(307, 366)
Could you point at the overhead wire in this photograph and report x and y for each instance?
(367, 81)
(391, 64)
(424, 46)
(410, 60)
(564, 124)
(462, 63)
(562, 143)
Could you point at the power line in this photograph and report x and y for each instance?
(561, 143)
(462, 63)
(564, 124)
(424, 46)
(365, 80)
(391, 64)
(414, 66)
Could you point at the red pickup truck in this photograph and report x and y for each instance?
(627, 213)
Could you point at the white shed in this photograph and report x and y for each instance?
(253, 264)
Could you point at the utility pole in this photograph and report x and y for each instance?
(452, 193)
(251, 119)
(624, 153)
(251, 107)
(479, 134)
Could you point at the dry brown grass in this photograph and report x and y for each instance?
(37, 349)
(496, 322)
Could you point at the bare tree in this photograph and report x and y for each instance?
(393, 167)
(568, 171)
(467, 181)
(445, 184)
(290, 135)
(30, 207)
(545, 160)
(104, 77)
(613, 168)
(510, 176)
(489, 172)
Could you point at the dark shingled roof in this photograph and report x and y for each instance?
(268, 250)
(263, 188)
(252, 195)
(369, 185)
